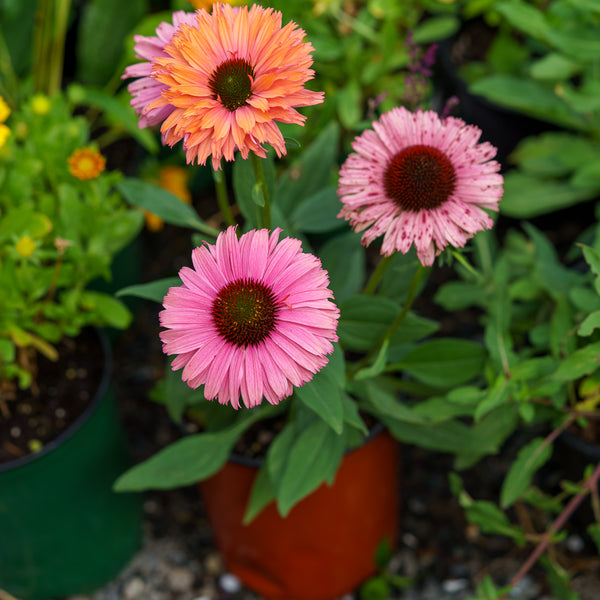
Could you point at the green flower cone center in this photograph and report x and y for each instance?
(231, 83)
(419, 178)
(244, 312)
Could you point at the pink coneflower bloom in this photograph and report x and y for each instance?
(146, 90)
(418, 179)
(231, 76)
(252, 319)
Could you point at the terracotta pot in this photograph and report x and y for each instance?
(326, 545)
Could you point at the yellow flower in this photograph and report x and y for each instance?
(25, 246)
(4, 133)
(4, 110)
(86, 163)
(174, 179)
(40, 104)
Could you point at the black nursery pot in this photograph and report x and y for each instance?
(502, 127)
(63, 530)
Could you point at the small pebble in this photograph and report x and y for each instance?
(180, 579)
(451, 586)
(575, 543)
(230, 583)
(417, 506)
(134, 588)
(213, 564)
(525, 589)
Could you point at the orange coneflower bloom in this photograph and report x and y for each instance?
(229, 78)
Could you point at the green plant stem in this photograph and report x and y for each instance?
(376, 276)
(259, 175)
(9, 84)
(410, 298)
(49, 42)
(58, 43)
(222, 196)
(590, 484)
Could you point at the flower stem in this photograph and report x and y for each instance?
(261, 182)
(49, 42)
(222, 196)
(410, 298)
(376, 276)
(590, 484)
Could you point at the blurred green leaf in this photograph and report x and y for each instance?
(583, 361)
(529, 459)
(104, 26)
(526, 196)
(153, 290)
(318, 213)
(163, 204)
(344, 260)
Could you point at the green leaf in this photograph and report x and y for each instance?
(249, 196)
(318, 213)
(491, 519)
(526, 18)
(186, 461)
(594, 532)
(313, 458)
(364, 320)
(583, 361)
(444, 363)
(554, 154)
(261, 494)
(530, 458)
(348, 102)
(162, 203)
(98, 53)
(554, 67)
(21, 221)
(111, 312)
(258, 196)
(344, 259)
(435, 28)
(153, 290)
(117, 110)
(351, 414)
(591, 322)
(311, 172)
(384, 403)
(529, 97)
(527, 196)
(323, 396)
(558, 579)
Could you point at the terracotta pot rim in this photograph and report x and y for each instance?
(247, 461)
(83, 417)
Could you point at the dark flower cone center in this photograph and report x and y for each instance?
(231, 83)
(419, 178)
(244, 312)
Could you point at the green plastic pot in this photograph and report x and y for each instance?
(63, 530)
